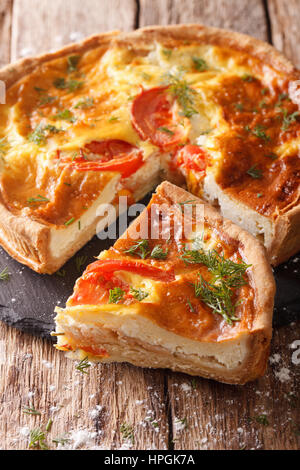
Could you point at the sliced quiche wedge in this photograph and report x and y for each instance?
(182, 289)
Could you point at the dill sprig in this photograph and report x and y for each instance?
(4, 275)
(218, 297)
(72, 62)
(85, 103)
(37, 439)
(288, 119)
(30, 410)
(115, 295)
(200, 64)
(127, 432)
(83, 365)
(138, 294)
(159, 253)
(80, 261)
(226, 276)
(184, 94)
(41, 133)
(37, 199)
(254, 172)
(62, 440)
(141, 249)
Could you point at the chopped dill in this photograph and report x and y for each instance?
(83, 365)
(115, 295)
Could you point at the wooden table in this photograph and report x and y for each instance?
(159, 409)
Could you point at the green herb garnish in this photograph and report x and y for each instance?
(127, 432)
(83, 365)
(49, 425)
(258, 131)
(167, 53)
(65, 115)
(190, 306)
(63, 84)
(239, 106)
(30, 410)
(189, 202)
(247, 77)
(254, 172)
(72, 63)
(184, 94)
(37, 439)
(115, 295)
(288, 119)
(69, 222)
(226, 275)
(141, 249)
(113, 118)
(37, 199)
(41, 133)
(80, 261)
(61, 273)
(273, 156)
(165, 130)
(85, 103)
(4, 275)
(158, 253)
(262, 419)
(200, 64)
(62, 440)
(218, 297)
(138, 294)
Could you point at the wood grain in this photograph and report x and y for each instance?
(239, 15)
(165, 410)
(218, 416)
(34, 373)
(5, 30)
(285, 27)
(59, 22)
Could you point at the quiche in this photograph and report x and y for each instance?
(207, 109)
(194, 295)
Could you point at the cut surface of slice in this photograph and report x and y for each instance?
(183, 289)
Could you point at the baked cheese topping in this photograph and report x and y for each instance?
(196, 286)
(74, 123)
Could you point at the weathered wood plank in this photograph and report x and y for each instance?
(243, 16)
(88, 407)
(285, 21)
(260, 415)
(42, 25)
(5, 30)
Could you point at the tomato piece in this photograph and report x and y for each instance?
(107, 267)
(155, 116)
(191, 157)
(114, 155)
(99, 277)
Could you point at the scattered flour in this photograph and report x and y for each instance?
(283, 374)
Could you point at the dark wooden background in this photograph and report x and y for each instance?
(162, 409)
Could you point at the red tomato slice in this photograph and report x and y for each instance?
(155, 116)
(191, 157)
(93, 287)
(114, 155)
(107, 267)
